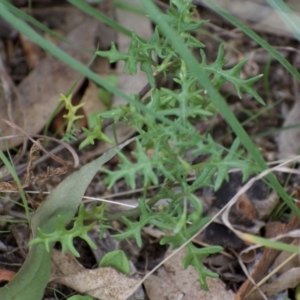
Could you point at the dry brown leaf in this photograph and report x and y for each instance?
(172, 282)
(142, 26)
(289, 275)
(8, 92)
(40, 90)
(289, 140)
(266, 261)
(21, 233)
(6, 275)
(62, 19)
(102, 283)
(105, 36)
(91, 100)
(126, 82)
(64, 264)
(272, 228)
(288, 280)
(258, 15)
(32, 51)
(283, 257)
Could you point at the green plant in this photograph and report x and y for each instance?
(171, 143)
(173, 139)
(164, 122)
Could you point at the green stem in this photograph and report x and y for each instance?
(134, 212)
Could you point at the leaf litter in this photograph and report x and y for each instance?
(19, 105)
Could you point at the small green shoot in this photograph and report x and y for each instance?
(72, 110)
(116, 259)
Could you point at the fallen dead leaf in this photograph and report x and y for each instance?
(288, 142)
(91, 100)
(258, 15)
(21, 233)
(40, 90)
(32, 52)
(142, 26)
(6, 275)
(127, 83)
(63, 264)
(290, 264)
(101, 283)
(62, 19)
(289, 279)
(266, 261)
(172, 282)
(93, 103)
(8, 92)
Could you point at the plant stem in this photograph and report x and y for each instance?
(134, 212)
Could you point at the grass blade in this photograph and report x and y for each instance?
(217, 99)
(32, 278)
(99, 16)
(254, 36)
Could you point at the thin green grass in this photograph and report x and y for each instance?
(217, 99)
(271, 244)
(130, 7)
(14, 19)
(23, 16)
(100, 16)
(287, 15)
(254, 36)
(275, 131)
(67, 59)
(191, 63)
(14, 174)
